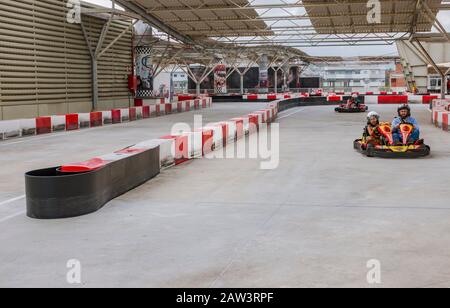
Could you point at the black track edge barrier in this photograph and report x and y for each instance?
(312, 99)
(51, 194)
(304, 101)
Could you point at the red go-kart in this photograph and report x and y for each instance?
(388, 149)
(352, 108)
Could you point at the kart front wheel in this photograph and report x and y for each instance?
(370, 150)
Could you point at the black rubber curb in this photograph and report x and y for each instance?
(51, 194)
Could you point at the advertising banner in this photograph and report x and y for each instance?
(220, 79)
(144, 72)
(264, 74)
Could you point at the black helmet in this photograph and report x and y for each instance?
(404, 107)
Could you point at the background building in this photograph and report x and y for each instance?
(397, 79)
(162, 82)
(356, 76)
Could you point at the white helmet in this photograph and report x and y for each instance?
(373, 114)
(354, 95)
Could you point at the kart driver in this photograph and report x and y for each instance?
(371, 132)
(353, 102)
(404, 117)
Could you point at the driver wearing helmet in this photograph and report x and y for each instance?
(404, 117)
(353, 102)
(371, 132)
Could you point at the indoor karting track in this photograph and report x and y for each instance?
(315, 221)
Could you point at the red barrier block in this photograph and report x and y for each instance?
(197, 104)
(138, 102)
(96, 119)
(158, 110)
(145, 112)
(168, 108)
(187, 105)
(383, 93)
(253, 123)
(287, 96)
(427, 99)
(180, 107)
(393, 99)
(182, 98)
(269, 118)
(224, 132)
(272, 97)
(72, 122)
(334, 98)
(239, 128)
(445, 121)
(207, 141)
(369, 93)
(116, 116)
(43, 125)
(204, 103)
(263, 114)
(252, 97)
(132, 114)
(90, 165)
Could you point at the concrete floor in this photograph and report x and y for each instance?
(313, 222)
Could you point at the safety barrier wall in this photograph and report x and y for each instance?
(367, 98)
(440, 113)
(81, 188)
(70, 122)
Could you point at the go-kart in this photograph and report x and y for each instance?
(353, 108)
(388, 148)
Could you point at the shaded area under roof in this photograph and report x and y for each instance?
(191, 16)
(345, 17)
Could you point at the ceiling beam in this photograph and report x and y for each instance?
(236, 6)
(151, 20)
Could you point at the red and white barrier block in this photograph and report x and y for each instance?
(272, 96)
(386, 99)
(70, 122)
(440, 113)
(335, 98)
(421, 99)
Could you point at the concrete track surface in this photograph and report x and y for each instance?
(313, 222)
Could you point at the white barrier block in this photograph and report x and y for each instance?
(174, 107)
(232, 128)
(125, 114)
(27, 127)
(415, 99)
(58, 123)
(107, 117)
(371, 99)
(139, 113)
(10, 129)
(84, 119)
(166, 150)
(217, 135)
(195, 140)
